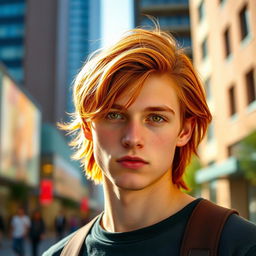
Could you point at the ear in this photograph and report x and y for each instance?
(87, 131)
(186, 132)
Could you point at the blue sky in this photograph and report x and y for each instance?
(117, 17)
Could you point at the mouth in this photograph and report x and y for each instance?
(132, 162)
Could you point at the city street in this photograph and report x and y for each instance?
(6, 250)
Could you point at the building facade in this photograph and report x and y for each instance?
(43, 44)
(172, 15)
(20, 139)
(224, 51)
(12, 33)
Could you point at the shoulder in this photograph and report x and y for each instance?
(238, 236)
(55, 250)
(14, 219)
(240, 226)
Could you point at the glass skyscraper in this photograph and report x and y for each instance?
(172, 15)
(12, 32)
(78, 42)
(83, 38)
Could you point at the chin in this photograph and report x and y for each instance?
(131, 183)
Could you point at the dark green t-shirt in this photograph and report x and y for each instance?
(164, 238)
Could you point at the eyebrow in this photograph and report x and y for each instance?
(161, 108)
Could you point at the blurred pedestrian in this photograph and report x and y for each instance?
(73, 223)
(60, 225)
(20, 224)
(36, 232)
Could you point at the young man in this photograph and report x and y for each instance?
(140, 115)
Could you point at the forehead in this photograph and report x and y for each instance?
(157, 90)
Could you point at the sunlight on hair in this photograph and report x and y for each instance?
(109, 73)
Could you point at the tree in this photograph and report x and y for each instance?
(246, 154)
(190, 175)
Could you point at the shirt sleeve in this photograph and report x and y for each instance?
(238, 237)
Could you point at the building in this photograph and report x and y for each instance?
(20, 128)
(83, 35)
(172, 15)
(43, 44)
(12, 32)
(224, 51)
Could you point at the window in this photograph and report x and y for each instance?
(158, 2)
(201, 10)
(232, 102)
(210, 132)
(233, 150)
(250, 86)
(169, 21)
(207, 85)
(227, 42)
(204, 49)
(11, 52)
(11, 30)
(11, 10)
(244, 22)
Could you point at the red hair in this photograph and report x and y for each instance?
(129, 62)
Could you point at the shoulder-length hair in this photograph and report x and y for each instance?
(111, 73)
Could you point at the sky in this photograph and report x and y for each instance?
(117, 17)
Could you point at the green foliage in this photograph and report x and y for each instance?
(246, 154)
(190, 175)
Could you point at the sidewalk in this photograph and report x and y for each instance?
(6, 248)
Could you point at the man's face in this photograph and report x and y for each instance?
(20, 212)
(135, 147)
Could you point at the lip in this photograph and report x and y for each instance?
(132, 162)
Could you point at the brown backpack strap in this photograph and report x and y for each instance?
(73, 246)
(203, 231)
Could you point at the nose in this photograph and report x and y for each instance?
(132, 137)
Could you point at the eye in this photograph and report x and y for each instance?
(114, 116)
(156, 118)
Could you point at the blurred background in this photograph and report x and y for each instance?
(43, 44)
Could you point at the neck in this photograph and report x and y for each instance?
(127, 210)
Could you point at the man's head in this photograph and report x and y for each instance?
(20, 211)
(122, 70)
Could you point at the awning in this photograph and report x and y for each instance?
(226, 168)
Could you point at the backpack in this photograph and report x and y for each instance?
(201, 236)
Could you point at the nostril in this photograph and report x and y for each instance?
(131, 143)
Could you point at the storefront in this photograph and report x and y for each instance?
(20, 129)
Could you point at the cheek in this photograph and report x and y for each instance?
(103, 142)
(103, 136)
(166, 141)
(166, 145)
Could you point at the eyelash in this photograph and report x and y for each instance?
(163, 119)
(157, 115)
(108, 115)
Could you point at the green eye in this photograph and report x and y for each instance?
(114, 116)
(157, 119)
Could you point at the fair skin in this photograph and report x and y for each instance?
(140, 192)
